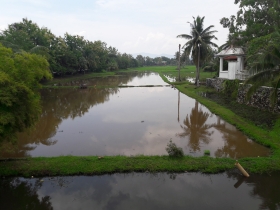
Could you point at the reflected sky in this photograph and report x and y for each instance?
(144, 191)
(126, 79)
(128, 121)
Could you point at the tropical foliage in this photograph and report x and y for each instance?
(199, 43)
(256, 27)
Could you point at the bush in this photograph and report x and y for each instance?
(230, 88)
(206, 152)
(173, 150)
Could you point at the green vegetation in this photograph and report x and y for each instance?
(256, 28)
(69, 165)
(71, 54)
(173, 150)
(206, 152)
(20, 74)
(199, 44)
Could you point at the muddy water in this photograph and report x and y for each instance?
(128, 121)
(143, 191)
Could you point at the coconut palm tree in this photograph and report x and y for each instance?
(199, 42)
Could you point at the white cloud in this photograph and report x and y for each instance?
(80, 33)
(2, 27)
(41, 3)
(131, 26)
(115, 3)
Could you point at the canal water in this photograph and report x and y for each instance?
(163, 191)
(127, 121)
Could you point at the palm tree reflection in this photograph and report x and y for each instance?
(196, 129)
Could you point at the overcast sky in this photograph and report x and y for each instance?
(132, 26)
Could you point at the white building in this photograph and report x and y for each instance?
(235, 58)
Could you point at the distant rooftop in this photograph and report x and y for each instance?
(231, 51)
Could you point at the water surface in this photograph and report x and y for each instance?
(128, 121)
(194, 191)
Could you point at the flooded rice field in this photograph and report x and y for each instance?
(127, 121)
(164, 191)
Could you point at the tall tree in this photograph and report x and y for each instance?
(255, 18)
(20, 74)
(199, 42)
(256, 27)
(264, 61)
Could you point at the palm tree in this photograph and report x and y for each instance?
(199, 43)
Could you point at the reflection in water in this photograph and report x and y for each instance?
(127, 121)
(142, 191)
(236, 144)
(196, 128)
(178, 118)
(57, 105)
(133, 78)
(265, 186)
(201, 129)
(22, 194)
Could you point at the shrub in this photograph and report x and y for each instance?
(206, 152)
(173, 150)
(230, 88)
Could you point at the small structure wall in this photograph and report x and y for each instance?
(260, 99)
(232, 69)
(223, 74)
(216, 83)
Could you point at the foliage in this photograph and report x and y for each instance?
(173, 150)
(232, 40)
(199, 43)
(66, 55)
(230, 88)
(256, 28)
(264, 59)
(212, 63)
(71, 54)
(206, 152)
(255, 18)
(20, 74)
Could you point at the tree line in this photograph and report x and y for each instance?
(71, 54)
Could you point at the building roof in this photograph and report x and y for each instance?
(231, 51)
(231, 57)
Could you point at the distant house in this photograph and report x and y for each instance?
(235, 58)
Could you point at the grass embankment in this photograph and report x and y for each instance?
(70, 165)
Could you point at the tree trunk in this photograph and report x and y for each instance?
(197, 70)
(179, 62)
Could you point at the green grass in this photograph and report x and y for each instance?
(70, 165)
(206, 152)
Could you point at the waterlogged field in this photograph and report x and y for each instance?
(143, 191)
(128, 121)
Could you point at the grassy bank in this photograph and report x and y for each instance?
(70, 165)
